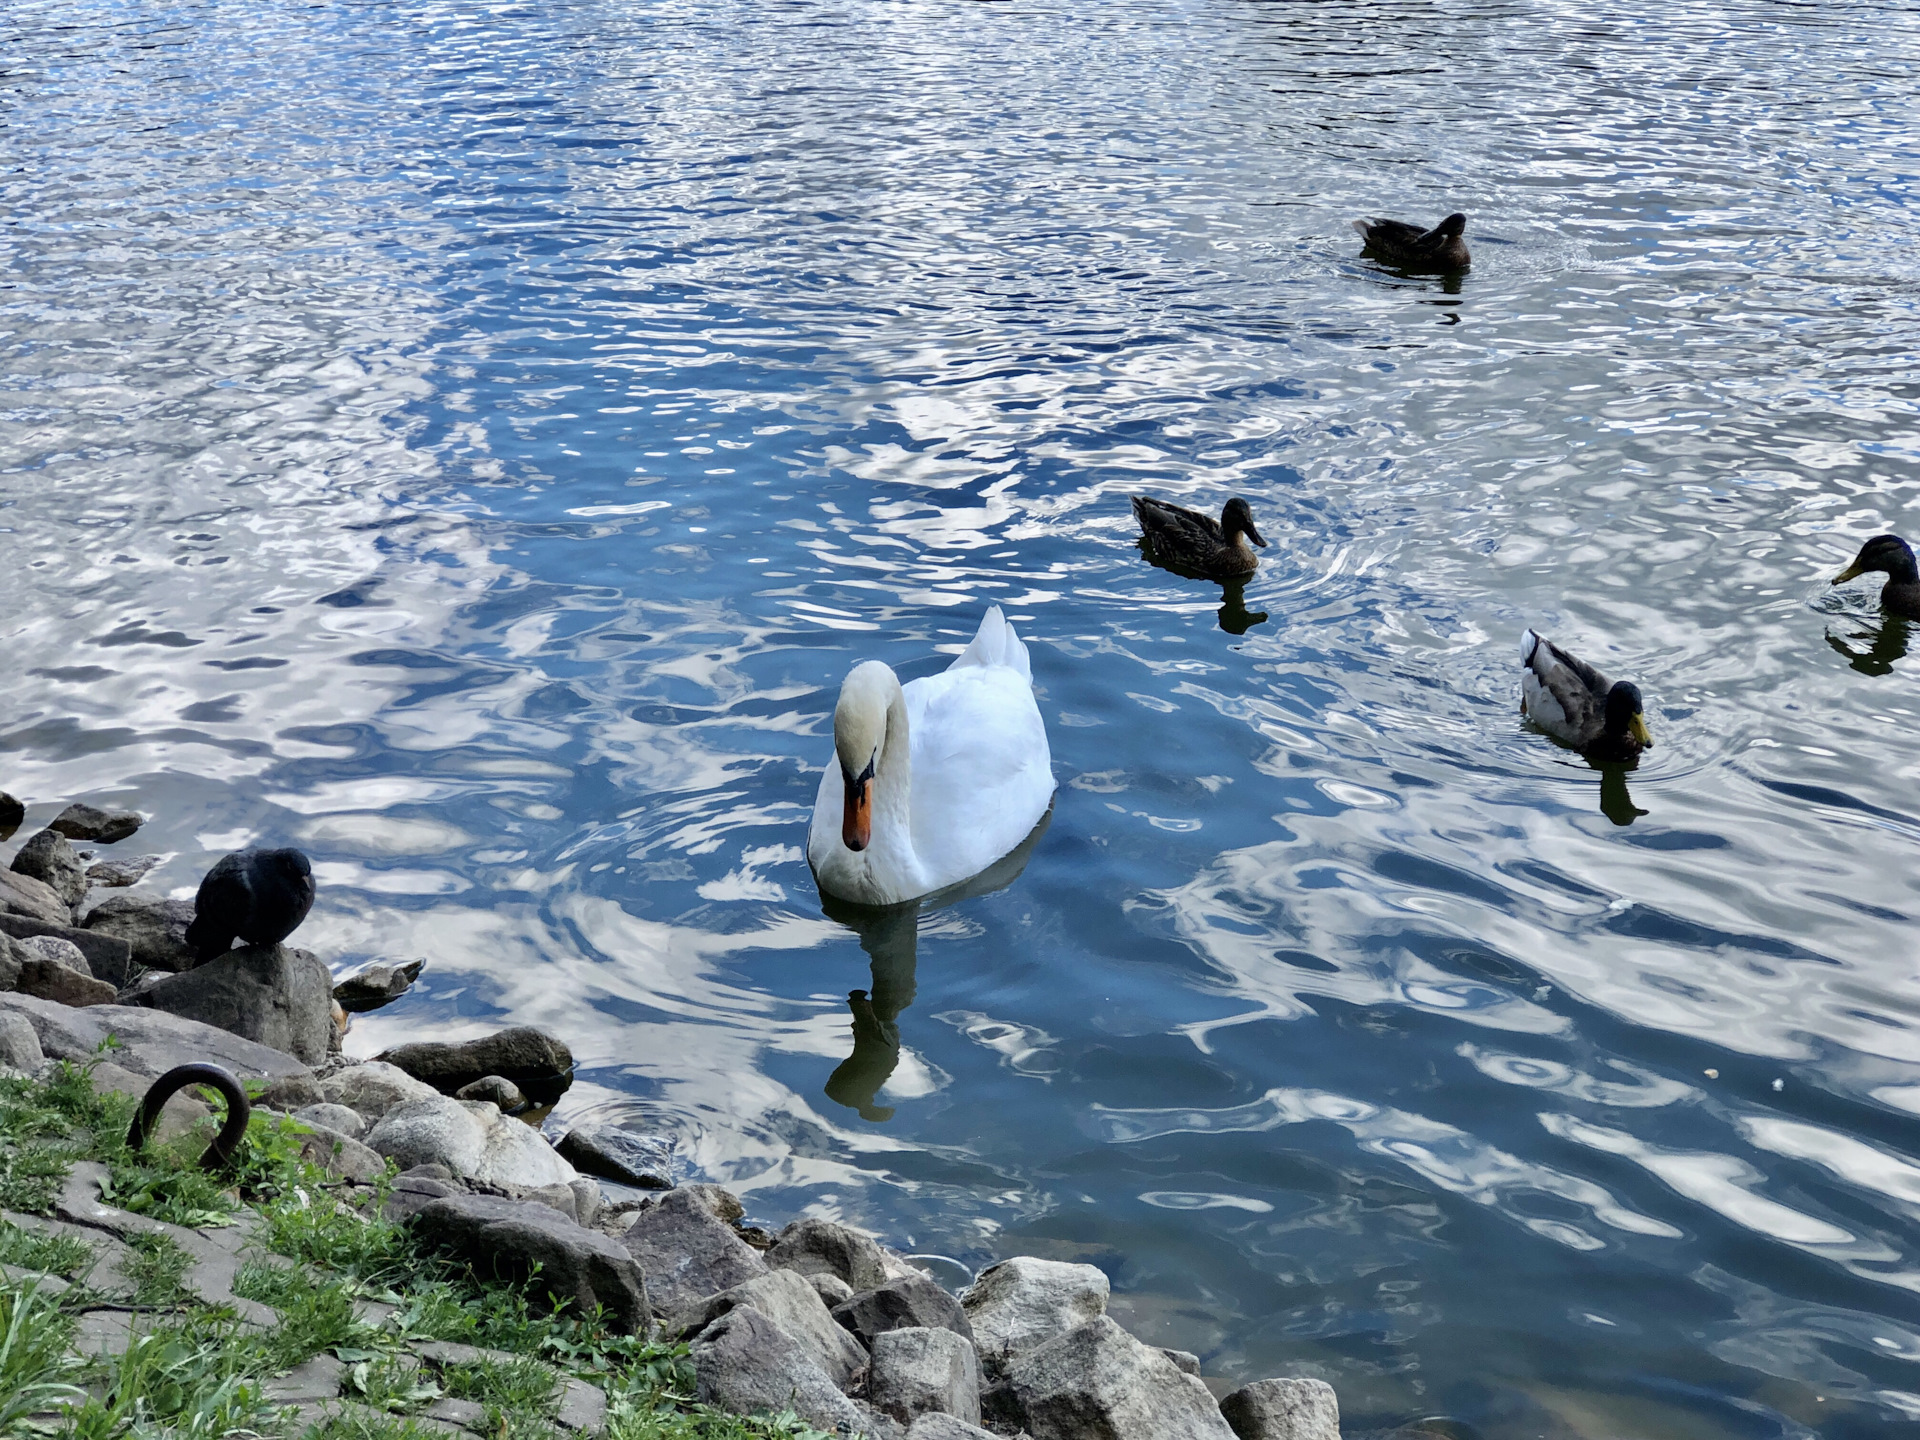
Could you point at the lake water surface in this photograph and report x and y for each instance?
(473, 441)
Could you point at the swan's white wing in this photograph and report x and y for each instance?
(982, 771)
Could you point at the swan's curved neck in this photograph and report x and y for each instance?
(893, 784)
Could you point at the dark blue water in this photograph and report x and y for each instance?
(472, 442)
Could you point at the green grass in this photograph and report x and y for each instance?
(524, 1384)
(156, 1264)
(393, 1382)
(200, 1376)
(64, 1255)
(191, 1379)
(373, 1427)
(36, 1372)
(315, 1315)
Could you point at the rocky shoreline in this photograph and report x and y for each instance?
(818, 1319)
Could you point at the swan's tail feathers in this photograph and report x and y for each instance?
(994, 643)
(1529, 642)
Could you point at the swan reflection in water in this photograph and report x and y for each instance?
(1886, 645)
(891, 937)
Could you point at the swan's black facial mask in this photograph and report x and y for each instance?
(856, 818)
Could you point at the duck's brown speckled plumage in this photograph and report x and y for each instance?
(1440, 250)
(1194, 544)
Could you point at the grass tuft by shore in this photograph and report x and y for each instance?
(346, 1284)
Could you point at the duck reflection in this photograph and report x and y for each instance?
(1886, 645)
(1235, 618)
(891, 937)
(1615, 803)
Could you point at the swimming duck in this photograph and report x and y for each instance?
(1194, 544)
(1408, 246)
(934, 780)
(1901, 594)
(1572, 701)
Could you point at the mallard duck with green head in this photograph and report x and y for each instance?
(1566, 697)
(1438, 251)
(1889, 553)
(1197, 545)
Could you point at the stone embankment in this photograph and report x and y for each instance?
(819, 1319)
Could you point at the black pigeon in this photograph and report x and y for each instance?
(260, 896)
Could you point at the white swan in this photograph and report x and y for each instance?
(933, 781)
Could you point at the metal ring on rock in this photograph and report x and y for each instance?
(226, 1144)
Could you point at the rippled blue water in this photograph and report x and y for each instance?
(472, 442)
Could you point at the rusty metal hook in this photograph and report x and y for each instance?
(226, 1144)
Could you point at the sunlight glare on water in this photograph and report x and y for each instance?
(473, 442)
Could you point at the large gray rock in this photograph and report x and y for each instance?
(916, 1371)
(643, 1161)
(791, 1303)
(946, 1427)
(53, 948)
(508, 1238)
(814, 1246)
(108, 958)
(291, 1092)
(333, 1117)
(86, 822)
(48, 858)
(12, 814)
(831, 1289)
(23, 895)
(1283, 1410)
(123, 871)
(11, 959)
(747, 1364)
(1099, 1381)
(372, 986)
(19, 1046)
(912, 1301)
(373, 1088)
(50, 979)
(503, 1093)
(269, 993)
(414, 1191)
(536, 1060)
(1024, 1302)
(151, 1042)
(154, 927)
(472, 1139)
(688, 1251)
(341, 1154)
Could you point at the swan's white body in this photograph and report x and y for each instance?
(961, 772)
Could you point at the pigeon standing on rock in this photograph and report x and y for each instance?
(261, 896)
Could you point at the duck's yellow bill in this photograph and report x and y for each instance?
(1637, 727)
(1849, 573)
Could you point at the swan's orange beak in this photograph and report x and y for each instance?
(856, 820)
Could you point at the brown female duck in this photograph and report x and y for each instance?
(1194, 544)
(1901, 594)
(1434, 252)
